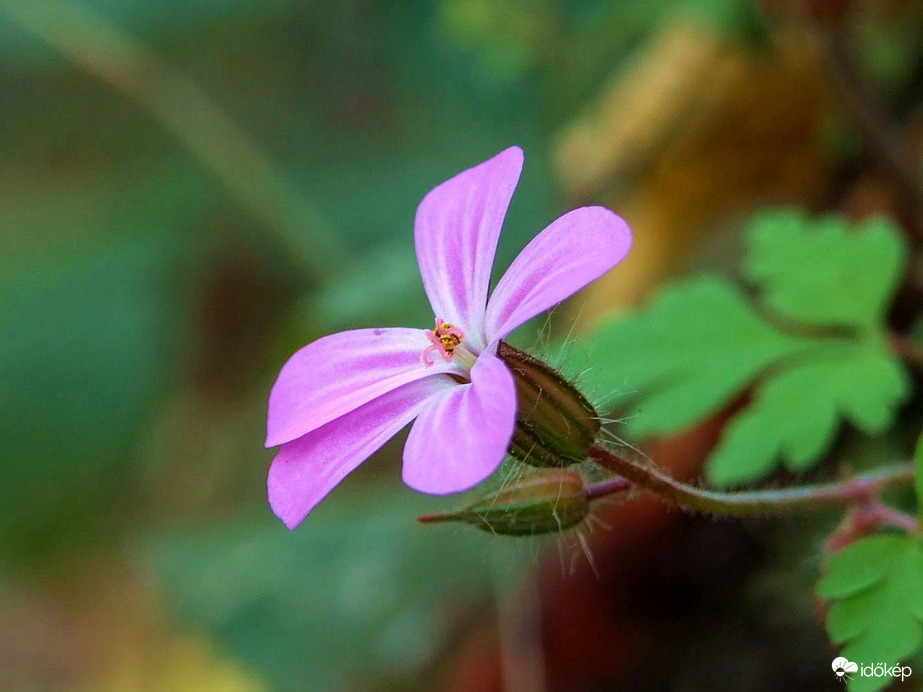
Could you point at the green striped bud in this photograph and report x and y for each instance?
(547, 501)
(555, 424)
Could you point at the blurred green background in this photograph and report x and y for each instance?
(190, 191)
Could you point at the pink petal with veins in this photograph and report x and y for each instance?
(456, 231)
(306, 469)
(339, 373)
(462, 436)
(574, 250)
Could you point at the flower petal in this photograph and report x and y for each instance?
(574, 250)
(463, 435)
(306, 469)
(455, 233)
(338, 373)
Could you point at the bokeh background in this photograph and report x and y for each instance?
(190, 191)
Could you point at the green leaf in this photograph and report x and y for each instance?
(862, 565)
(823, 272)
(877, 586)
(700, 344)
(697, 346)
(795, 415)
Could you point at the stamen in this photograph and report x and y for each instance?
(444, 340)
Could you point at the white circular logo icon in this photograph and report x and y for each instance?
(841, 666)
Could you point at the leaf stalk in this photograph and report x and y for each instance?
(861, 489)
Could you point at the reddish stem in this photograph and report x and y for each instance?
(860, 491)
(609, 487)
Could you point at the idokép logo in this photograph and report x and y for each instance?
(842, 668)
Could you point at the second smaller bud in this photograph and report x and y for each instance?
(546, 501)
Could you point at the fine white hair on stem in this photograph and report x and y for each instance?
(585, 546)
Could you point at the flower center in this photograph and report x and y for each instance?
(446, 341)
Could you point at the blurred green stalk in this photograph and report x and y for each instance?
(101, 49)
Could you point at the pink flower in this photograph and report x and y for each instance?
(340, 398)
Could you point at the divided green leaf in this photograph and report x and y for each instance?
(689, 353)
(795, 415)
(877, 588)
(822, 271)
(818, 359)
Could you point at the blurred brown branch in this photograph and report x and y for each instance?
(878, 125)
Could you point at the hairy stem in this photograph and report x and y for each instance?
(609, 487)
(889, 516)
(866, 518)
(849, 492)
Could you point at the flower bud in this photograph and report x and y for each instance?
(555, 424)
(546, 501)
